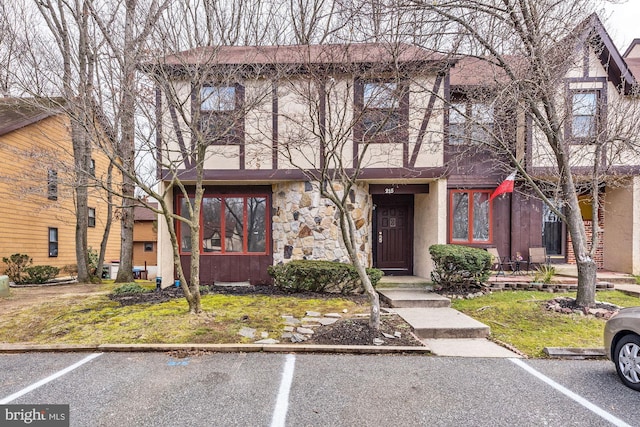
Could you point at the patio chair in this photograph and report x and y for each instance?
(538, 256)
(497, 261)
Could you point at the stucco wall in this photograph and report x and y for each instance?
(622, 238)
(165, 251)
(430, 226)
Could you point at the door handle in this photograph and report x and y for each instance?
(379, 236)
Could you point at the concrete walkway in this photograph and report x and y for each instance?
(445, 331)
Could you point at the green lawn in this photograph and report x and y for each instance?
(517, 318)
(96, 319)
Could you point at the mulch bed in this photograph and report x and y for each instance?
(567, 305)
(358, 332)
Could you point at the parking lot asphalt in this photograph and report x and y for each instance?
(271, 389)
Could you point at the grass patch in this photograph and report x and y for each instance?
(97, 319)
(518, 319)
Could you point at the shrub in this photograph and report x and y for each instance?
(71, 270)
(459, 266)
(544, 274)
(129, 288)
(92, 255)
(41, 273)
(320, 276)
(16, 265)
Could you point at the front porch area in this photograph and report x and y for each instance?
(565, 280)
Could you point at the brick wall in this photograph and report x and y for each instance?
(599, 255)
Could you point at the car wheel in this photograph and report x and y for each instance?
(627, 360)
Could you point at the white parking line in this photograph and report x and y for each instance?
(42, 382)
(282, 403)
(579, 399)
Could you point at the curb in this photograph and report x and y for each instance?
(216, 348)
(574, 353)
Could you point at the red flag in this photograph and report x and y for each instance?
(505, 187)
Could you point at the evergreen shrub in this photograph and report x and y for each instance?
(320, 276)
(459, 266)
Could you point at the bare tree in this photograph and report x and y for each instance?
(346, 112)
(123, 35)
(531, 46)
(70, 27)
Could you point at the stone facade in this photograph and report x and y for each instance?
(307, 226)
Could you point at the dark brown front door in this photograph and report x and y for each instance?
(393, 234)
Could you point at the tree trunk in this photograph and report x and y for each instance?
(125, 273)
(348, 229)
(587, 278)
(126, 147)
(193, 301)
(80, 151)
(107, 227)
(585, 262)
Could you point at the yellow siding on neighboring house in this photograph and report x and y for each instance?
(26, 213)
(145, 232)
(140, 257)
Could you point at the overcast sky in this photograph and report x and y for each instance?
(623, 24)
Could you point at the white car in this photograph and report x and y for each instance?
(622, 345)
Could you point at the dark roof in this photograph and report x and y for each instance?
(358, 53)
(617, 69)
(471, 71)
(143, 213)
(633, 44)
(16, 113)
(633, 62)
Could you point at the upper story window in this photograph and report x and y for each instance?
(470, 216)
(220, 119)
(584, 115)
(92, 217)
(470, 122)
(384, 110)
(92, 167)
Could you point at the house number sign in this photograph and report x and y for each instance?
(389, 190)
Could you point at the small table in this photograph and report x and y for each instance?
(515, 266)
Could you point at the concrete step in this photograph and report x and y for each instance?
(410, 282)
(442, 323)
(412, 297)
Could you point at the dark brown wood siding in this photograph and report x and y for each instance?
(526, 226)
(230, 268)
(517, 218)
